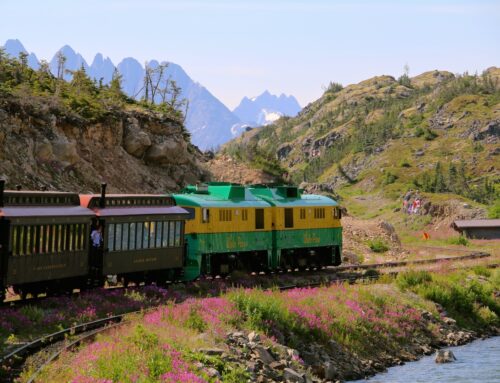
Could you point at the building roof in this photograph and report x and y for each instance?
(477, 223)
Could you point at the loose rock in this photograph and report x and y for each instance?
(445, 356)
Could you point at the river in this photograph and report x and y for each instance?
(477, 362)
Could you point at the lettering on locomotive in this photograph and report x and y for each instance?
(311, 238)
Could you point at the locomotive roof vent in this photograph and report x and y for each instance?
(288, 191)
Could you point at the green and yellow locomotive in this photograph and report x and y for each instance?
(258, 228)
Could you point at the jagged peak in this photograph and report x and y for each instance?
(14, 44)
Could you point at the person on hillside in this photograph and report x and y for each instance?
(406, 200)
(416, 205)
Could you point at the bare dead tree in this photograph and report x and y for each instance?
(61, 60)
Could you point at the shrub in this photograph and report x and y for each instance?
(482, 270)
(378, 245)
(412, 278)
(494, 210)
(389, 178)
(419, 132)
(487, 316)
(429, 135)
(460, 240)
(405, 164)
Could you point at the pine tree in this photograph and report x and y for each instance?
(81, 82)
(115, 86)
(439, 181)
(452, 179)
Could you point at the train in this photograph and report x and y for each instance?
(48, 246)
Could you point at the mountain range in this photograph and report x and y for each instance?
(266, 109)
(208, 120)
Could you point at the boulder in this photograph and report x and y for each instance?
(263, 354)
(65, 152)
(136, 143)
(445, 356)
(167, 152)
(492, 130)
(211, 351)
(283, 151)
(43, 151)
(292, 376)
(329, 371)
(253, 337)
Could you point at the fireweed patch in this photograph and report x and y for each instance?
(366, 320)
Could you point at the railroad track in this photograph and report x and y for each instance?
(471, 255)
(12, 363)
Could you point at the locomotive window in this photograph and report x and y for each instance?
(205, 215)
(302, 213)
(289, 217)
(259, 219)
(319, 213)
(336, 213)
(225, 215)
(244, 215)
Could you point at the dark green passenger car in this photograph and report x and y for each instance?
(43, 241)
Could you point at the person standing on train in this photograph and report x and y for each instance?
(96, 236)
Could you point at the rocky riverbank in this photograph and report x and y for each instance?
(315, 362)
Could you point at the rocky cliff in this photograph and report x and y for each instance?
(43, 145)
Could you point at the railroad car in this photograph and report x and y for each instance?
(143, 237)
(306, 227)
(258, 228)
(228, 228)
(44, 241)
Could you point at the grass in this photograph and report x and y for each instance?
(465, 297)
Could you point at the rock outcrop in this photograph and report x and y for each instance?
(44, 146)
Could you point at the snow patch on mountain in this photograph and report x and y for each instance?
(266, 109)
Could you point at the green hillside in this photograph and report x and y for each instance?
(436, 132)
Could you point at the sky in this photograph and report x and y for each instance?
(238, 48)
